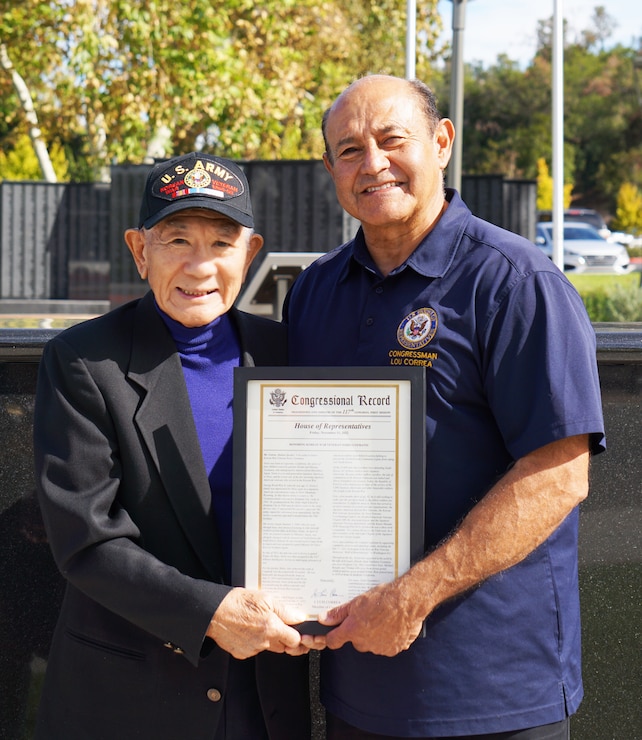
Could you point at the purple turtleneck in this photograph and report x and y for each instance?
(208, 355)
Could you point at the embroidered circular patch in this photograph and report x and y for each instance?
(197, 179)
(417, 329)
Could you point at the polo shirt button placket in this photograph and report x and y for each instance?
(369, 321)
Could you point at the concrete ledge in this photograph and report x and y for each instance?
(52, 307)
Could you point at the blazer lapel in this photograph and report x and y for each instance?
(166, 425)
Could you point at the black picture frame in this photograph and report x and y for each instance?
(286, 377)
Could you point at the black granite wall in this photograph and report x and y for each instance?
(610, 553)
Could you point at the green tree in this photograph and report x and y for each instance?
(506, 119)
(236, 77)
(507, 114)
(603, 120)
(600, 119)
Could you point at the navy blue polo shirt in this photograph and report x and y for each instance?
(510, 365)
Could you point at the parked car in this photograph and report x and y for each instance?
(594, 219)
(580, 215)
(584, 249)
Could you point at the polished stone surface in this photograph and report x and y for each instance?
(610, 546)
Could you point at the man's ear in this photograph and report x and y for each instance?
(135, 241)
(444, 138)
(253, 248)
(328, 164)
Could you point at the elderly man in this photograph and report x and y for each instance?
(513, 411)
(133, 425)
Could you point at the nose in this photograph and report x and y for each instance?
(201, 261)
(375, 159)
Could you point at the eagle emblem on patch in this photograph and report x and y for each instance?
(197, 178)
(417, 329)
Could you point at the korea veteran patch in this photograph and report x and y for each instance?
(196, 180)
(205, 178)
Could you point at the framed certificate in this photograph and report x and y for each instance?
(329, 481)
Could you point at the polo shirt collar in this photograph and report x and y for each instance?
(433, 255)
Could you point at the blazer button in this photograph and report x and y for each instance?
(174, 648)
(214, 695)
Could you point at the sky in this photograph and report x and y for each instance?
(494, 27)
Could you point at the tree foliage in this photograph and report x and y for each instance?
(244, 79)
(545, 188)
(507, 115)
(119, 80)
(21, 163)
(628, 211)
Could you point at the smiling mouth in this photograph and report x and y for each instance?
(196, 293)
(386, 186)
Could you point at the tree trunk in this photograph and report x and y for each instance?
(35, 134)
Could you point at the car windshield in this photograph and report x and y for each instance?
(576, 232)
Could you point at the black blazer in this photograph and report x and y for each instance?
(127, 508)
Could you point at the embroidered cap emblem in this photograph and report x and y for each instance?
(197, 178)
(417, 329)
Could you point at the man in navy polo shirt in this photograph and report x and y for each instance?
(513, 414)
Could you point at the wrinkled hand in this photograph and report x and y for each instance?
(383, 620)
(249, 622)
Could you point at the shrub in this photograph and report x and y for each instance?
(628, 212)
(617, 302)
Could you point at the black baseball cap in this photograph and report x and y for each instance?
(196, 180)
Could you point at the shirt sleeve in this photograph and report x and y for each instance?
(540, 369)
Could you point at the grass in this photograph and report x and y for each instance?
(589, 283)
(610, 298)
